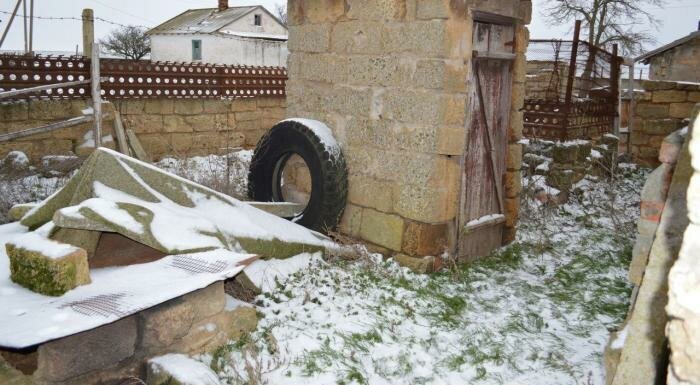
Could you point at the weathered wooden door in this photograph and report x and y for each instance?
(485, 156)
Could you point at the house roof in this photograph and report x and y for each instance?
(208, 21)
(645, 58)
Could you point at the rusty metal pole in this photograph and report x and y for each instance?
(570, 81)
(615, 86)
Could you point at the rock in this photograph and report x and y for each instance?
(90, 351)
(59, 165)
(564, 154)
(243, 318)
(15, 163)
(420, 265)
(19, 210)
(12, 376)
(178, 369)
(46, 266)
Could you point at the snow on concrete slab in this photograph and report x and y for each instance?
(266, 273)
(33, 241)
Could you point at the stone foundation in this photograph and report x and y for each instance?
(165, 127)
(391, 79)
(194, 323)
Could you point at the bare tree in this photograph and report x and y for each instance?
(281, 13)
(608, 21)
(129, 41)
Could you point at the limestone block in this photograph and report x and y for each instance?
(215, 106)
(189, 107)
(648, 110)
(655, 85)
(159, 106)
(668, 96)
(694, 96)
(360, 37)
(514, 157)
(348, 101)
(426, 203)
(451, 141)
(156, 146)
(93, 350)
(241, 320)
(46, 266)
(201, 123)
(15, 111)
(426, 38)
(175, 123)
(310, 37)
(421, 238)
(379, 10)
(376, 71)
(412, 106)
(681, 110)
(433, 9)
(511, 211)
(240, 105)
(324, 67)
(661, 126)
(178, 369)
(143, 123)
(52, 109)
(383, 229)
(317, 11)
(639, 138)
(512, 185)
(351, 220)
(17, 211)
(245, 116)
(369, 192)
(419, 265)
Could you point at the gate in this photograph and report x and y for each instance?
(485, 156)
(572, 89)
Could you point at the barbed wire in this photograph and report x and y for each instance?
(71, 18)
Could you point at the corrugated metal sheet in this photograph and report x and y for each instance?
(207, 20)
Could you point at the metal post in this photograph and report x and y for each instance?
(31, 26)
(615, 85)
(9, 22)
(96, 97)
(570, 81)
(630, 106)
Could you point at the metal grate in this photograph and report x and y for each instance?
(198, 266)
(100, 305)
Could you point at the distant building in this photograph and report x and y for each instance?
(676, 61)
(224, 35)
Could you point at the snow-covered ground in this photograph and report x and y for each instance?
(537, 312)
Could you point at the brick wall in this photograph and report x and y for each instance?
(391, 79)
(178, 127)
(663, 108)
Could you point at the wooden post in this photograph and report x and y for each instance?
(9, 22)
(31, 26)
(570, 80)
(26, 32)
(88, 31)
(96, 97)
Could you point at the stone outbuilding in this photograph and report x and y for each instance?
(676, 61)
(424, 98)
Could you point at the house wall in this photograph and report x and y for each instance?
(391, 80)
(681, 63)
(219, 49)
(247, 24)
(165, 127)
(662, 108)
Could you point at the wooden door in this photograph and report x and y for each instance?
(482, 217)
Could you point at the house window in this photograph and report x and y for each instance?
(258, 20)
(196, 50)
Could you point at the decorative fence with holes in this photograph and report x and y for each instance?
(133, 79)
(572, 90)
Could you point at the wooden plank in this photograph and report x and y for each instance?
(486, 221)
(489, 141)
(136, 146)
(8, 94)
(493, 55)
(46, 128)
(120, 134)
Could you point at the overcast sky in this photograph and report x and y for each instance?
(679, 18)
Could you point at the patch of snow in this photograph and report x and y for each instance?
(543, 166)
(89, 139)
(619, 342)
(573, 143)
(34, 242)
(324, 133)
(184, 369)
(234, 303)
(18, 158)
(485, 219)
(106, 209)
(266, 273)
(256, 35)
(595, 154)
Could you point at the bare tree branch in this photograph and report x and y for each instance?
(130, 42)
(608, 22)
(281, 12)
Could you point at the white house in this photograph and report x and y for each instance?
(224, 35)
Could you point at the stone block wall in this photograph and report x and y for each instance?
(663, 108)
(683, 328)
(391, 79)
(195, 323)
(165, 127)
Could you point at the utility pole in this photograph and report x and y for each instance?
(9, 23)
(31, 26)
(88, 31)
(24, 19)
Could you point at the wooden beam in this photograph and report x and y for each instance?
(8, 94)
(46, 128)
(96, 96)
(135, 144)
(120, 134)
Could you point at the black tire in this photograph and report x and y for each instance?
(329, 173)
